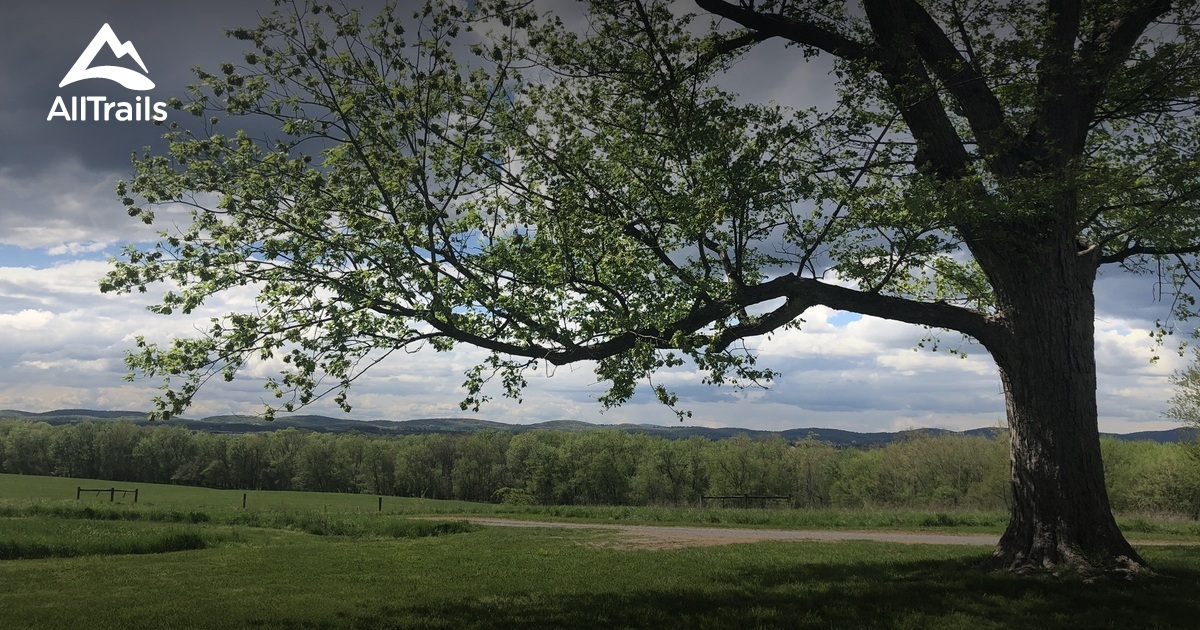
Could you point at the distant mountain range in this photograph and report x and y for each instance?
(325, 424)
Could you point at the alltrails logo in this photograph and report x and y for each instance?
(99, 107)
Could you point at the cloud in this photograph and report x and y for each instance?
(60, 366)
(26, 320)
(65, 203)
(54, 285)
(68, 209)
(76, 249)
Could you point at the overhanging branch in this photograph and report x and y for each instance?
(800, 294)
(985, 329)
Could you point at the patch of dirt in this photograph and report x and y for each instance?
(655, 542)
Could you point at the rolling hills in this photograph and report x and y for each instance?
(326, 424)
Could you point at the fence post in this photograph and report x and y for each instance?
(135, 491)
(78, 491)
(380, 504)
(243, 500)
(112, 495)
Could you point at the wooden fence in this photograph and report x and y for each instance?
(112, 492)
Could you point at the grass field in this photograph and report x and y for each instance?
(192, 558)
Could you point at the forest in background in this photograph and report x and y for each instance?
(605, 466)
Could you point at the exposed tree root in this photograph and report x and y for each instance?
(1044, 557)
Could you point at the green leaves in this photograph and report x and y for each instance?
(491, 177)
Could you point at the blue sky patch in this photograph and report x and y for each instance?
(842, 318)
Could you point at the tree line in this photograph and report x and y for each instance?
(598, 467)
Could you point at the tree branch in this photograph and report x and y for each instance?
(913, 91)
(1143, 250)
(800, 31)
(800, 294)
(970, 90)
(986, 329)
(1110, 48)
(898, 57)
(1070, 90)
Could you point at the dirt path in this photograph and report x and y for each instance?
(670, 536)
(673, 536)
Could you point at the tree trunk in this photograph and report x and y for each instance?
(1060, 511)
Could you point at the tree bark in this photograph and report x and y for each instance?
(1060, 515)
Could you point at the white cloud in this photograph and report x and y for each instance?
(64, 365)
(75, 248)
(26, 320)
(916, 362)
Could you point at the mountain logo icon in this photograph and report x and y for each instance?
(130, 79)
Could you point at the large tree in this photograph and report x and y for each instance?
(554, 194)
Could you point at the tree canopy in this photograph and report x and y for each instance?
(492, 176)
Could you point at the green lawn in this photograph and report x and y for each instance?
(262, 568)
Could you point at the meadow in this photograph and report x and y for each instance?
(186, 557)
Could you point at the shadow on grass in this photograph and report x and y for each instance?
(913, 594)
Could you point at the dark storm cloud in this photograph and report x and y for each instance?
(39, 41)
(57, 176)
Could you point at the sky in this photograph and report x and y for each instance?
(62, 342)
